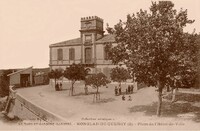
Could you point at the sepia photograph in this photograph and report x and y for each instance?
(99, 65)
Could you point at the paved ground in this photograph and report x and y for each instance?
(141, 108)
(189, 91)
(83, 105)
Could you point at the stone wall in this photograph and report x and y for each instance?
(26, 110)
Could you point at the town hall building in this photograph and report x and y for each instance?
(88, 49)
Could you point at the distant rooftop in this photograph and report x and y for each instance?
(20, 71)
(106, 38)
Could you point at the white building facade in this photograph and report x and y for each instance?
(88, 49)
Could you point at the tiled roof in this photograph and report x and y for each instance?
(107, 38)
(76, 41)
(20, 71)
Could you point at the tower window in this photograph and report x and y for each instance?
(60, 54)
(88, 38)
(71, 54)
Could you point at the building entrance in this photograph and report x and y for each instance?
(24, 80)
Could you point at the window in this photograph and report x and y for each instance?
(88, 55)
(60, 54)
(105, 53)
(88, 38)
(71, 54)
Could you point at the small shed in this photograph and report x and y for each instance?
(21, 78)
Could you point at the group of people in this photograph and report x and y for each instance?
(124, 98)
(118, 91)
(130, 89)
(58, 86)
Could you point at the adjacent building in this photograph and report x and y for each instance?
(21, 78)
(88, 49)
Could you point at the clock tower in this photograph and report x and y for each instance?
(91, 30)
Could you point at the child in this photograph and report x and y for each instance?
(123, 98)
(129, 98)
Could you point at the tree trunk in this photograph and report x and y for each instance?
(174, 91)
(97, 94)
(86, 90)
(97, 90)
(159, 106)
(167, 88)
(55, 84)
(120, 84)
(72, 90)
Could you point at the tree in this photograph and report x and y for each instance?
(55, 74)
(154, 46)
(96, 81)
(4, 83)
(119, 74)
(74, 73)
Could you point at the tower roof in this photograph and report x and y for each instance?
(91, 18)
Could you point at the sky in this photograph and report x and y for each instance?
(28, 27)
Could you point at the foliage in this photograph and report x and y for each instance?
(109, 29)
(119, 74)
(4, 83)
(55, 74)
(97, 80)
(76, 72)
(154, 46)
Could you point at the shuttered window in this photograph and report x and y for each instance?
(71, 54)
(60, 54)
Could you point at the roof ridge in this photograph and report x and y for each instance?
(70, 41)
(20, 71)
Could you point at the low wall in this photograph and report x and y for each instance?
(26, 110)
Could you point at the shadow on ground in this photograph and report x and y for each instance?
(6, 120)
(106, 100)
(185, 97)
(184, 106)
(83, 94)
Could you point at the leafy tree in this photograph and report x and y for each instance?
(119, 74)
(74, 73)
(55, 74)
(96, 81)
(154, 46)
(4, 83)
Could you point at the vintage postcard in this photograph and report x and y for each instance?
(99, 65)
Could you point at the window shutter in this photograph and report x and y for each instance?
(60, 54)
(71, 54)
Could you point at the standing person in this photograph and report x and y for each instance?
(86, 89)
(129, 98)
(132, 88)
(129, 89)
(60, 86)
(120, 90)
(123, 98)
(116, 90)
(57, 87)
